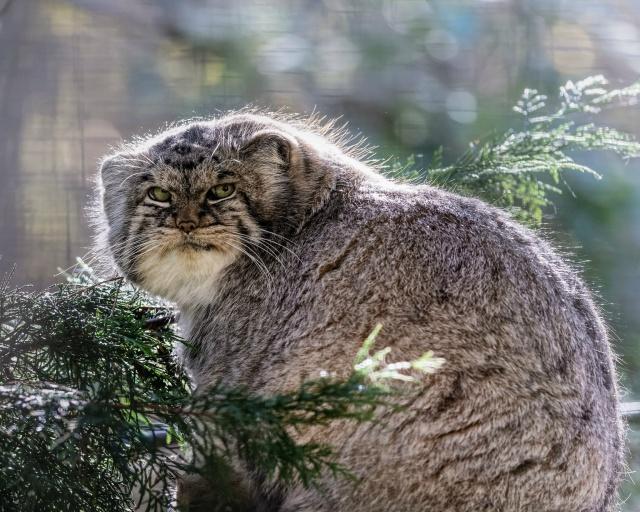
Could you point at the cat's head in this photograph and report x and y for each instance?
(177, 209)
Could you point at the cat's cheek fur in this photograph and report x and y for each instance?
(188, 278)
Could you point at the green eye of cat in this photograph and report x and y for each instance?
(221, 191)
(159, 194)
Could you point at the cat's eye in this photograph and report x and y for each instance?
(159, 194)
(221, 191)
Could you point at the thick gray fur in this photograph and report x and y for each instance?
(289, 276)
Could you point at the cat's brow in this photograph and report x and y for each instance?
(225, 173)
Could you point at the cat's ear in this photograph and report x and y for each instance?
(272, 147)
(110, 169)
(115, 168)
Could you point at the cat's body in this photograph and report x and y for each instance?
(522, 416)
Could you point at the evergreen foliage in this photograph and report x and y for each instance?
(87, 375)
(519, 169)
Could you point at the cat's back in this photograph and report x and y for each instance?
(442, 251)
(457, 265)
(527, 396)
(425, 258)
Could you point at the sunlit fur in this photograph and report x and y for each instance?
(287, 278)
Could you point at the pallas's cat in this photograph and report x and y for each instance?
(283, 249)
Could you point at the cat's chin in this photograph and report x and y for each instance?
(197, 247)
(188, 274)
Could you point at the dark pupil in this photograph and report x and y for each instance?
(225, 189)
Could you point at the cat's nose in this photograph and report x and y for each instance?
(186, 225)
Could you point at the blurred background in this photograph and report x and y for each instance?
(77, 77)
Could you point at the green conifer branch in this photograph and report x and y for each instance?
(84, 380)
(521, 169)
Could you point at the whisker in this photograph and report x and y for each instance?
(261, 245)
(266, 242)
(131, 176)
(147, 158)
(250, 252)
(256, 260)
(214, 152)
(256, 241)
(249, 243)
(263, 230)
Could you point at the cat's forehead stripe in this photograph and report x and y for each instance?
(225, 173)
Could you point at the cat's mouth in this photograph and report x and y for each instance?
(190, 244)
(202, 241)
(197, 245)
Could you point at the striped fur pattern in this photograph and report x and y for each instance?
(288, 276)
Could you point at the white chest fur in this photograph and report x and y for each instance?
(187, 277)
